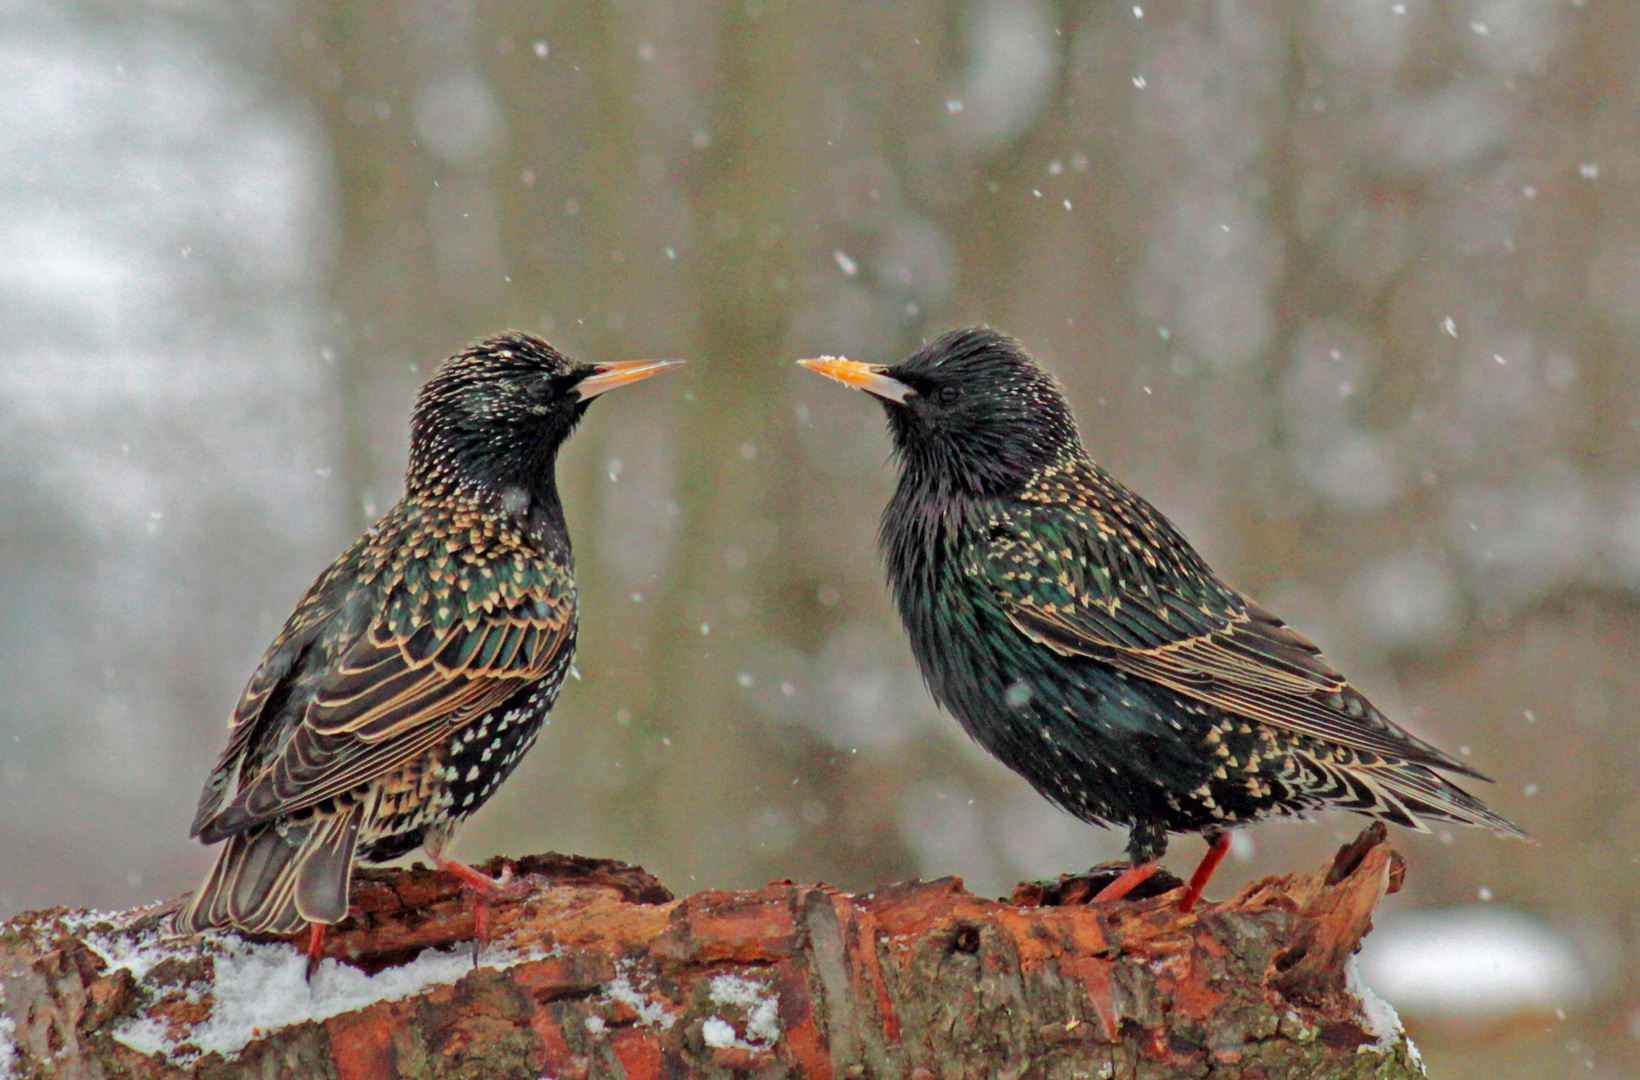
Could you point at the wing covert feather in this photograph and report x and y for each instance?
(392, 691)
(1067, 578)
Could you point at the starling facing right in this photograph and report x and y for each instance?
(1077, 636)
(421, 665)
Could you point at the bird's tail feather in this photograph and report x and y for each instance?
(266, 881)
(322, 882)
(1424, 794)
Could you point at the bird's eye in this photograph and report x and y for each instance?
(538, 389)
(947, 394)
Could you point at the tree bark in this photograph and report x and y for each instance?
(592, 969)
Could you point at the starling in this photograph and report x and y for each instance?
(421, 665)
(1077, 636)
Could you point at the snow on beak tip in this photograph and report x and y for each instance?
(872, 378)
(606, 377)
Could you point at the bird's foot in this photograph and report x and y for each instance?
(316, 948)
(485, 890)
(1218, 845)
(476, 880)
(1073, 890)
(1127, 881)
(316, 940)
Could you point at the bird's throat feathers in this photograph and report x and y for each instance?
(975, 461)
(924, 527)
(527, 496)
(480, 459)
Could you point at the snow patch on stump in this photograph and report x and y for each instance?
(1378, 1017)
(651, 1013)
(759, 1005)
(260, 988)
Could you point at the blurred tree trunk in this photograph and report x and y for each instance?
(595, 971)
(351, 60)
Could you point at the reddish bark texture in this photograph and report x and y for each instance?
(608, 976)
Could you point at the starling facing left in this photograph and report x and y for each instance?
(1078, 637)
(420, 667)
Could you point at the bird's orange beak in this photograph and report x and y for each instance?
(872, 378)
(606, 377)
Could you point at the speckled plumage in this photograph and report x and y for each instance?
(419, 668)
(1077, 636)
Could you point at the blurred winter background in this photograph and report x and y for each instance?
(1350, 288)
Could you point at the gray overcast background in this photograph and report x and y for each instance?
(1350, 288)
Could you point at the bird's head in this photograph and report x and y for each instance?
(969, 411)
(498, 411)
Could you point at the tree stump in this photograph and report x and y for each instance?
(594, 970)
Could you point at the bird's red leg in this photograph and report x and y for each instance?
(483, 888)
(479, 883)
(1127, 881)
(316, 947)
(1218, 844)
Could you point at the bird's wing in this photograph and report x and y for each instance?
(328, 612)
(1124, 588)
(416, 672)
